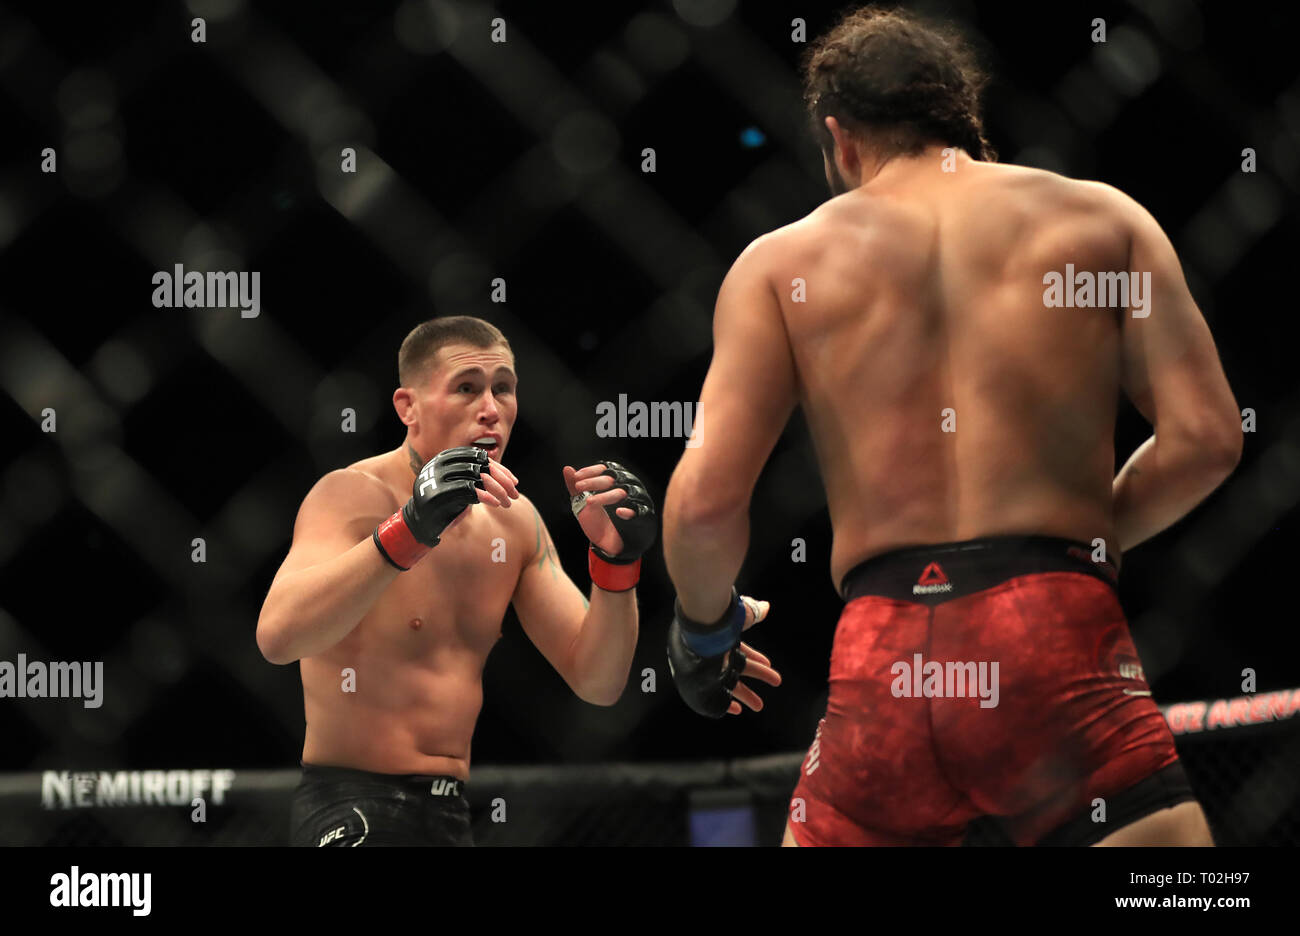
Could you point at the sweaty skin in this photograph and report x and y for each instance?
(419, 653)
(913, 303)
(923, 309)
(926, 295)
(392, 662)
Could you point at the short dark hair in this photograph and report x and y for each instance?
(902, 79)
(421, 346)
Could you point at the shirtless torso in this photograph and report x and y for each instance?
(925, 310)
(396, 584)
(413, 665)
(949, 401)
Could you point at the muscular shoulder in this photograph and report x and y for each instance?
(525, 525)
(771, 256)
(1053, 192)
(1123, 208)
(1086, 214)
(353, 490)
(343, 506)
(1017, 218)
(523, 516)
(520, 514)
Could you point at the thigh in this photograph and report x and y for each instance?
(872, 770)
(1183, 824)
(1071, 716)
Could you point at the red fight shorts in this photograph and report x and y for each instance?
(993, 677)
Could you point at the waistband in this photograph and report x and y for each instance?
(422, 784)
(944, 571)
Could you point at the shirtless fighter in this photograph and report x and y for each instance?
(396, 584)
(964, 429)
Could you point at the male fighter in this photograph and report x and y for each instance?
(964, 428)
(398, 578)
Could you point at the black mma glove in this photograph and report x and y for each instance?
(444, 487)
(622, 571)
(695, 658)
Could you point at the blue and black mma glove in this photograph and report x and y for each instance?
(696, 658)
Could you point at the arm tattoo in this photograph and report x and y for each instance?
(544, 554)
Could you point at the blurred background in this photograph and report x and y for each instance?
(523, 160)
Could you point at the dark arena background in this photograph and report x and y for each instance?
(380, 163)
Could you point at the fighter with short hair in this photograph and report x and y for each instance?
(397, 580)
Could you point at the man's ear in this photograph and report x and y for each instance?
(404, 403)
(845, 154)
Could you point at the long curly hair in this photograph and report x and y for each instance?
(899, 79)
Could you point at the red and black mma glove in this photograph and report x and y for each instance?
(622, 572)
(443, 488)
(695, 658)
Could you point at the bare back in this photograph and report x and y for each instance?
(945, 400)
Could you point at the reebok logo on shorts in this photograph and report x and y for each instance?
(932, 581)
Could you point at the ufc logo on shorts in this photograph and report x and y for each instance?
(331, 836)
(813, 761)
(444, 786)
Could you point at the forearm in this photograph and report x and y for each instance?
(704, 555)
(312, 609)
(603, 649)
(1159, 485)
